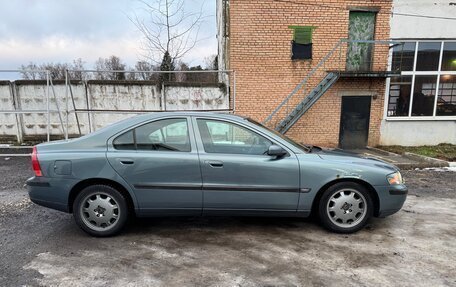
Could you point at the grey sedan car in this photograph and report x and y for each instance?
(183, 163)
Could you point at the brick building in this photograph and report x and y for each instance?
(257, 38)
(292, 49)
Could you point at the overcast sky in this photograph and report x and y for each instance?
(44, 31)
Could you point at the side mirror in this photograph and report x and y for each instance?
(275, 150)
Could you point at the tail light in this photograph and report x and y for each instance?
(35, 163)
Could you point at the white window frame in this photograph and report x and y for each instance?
(414, 73)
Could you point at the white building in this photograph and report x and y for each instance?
(420, 106)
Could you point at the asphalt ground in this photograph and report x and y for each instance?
(415, 247)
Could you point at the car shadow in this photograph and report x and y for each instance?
(213, 223)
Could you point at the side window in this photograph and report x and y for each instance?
(225, 137)
(125, 141)
(164, 135)
(169, 135)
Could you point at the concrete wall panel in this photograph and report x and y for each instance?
(96, 96)
(417, 133)
(8, 124)
(120, 97)
(195, 98)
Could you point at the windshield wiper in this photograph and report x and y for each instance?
(307, 147)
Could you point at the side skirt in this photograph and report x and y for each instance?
(220, 212)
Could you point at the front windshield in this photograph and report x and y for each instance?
(285, 138)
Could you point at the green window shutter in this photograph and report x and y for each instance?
(302, 34)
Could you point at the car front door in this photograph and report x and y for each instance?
(159, 160)
(238, 175)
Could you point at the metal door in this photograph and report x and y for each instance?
(354, 122)
(359, 54)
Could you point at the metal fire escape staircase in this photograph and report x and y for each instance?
(307, 102)
(292, 108)
(343, 60)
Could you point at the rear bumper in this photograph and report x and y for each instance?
(48, 192)
(391, 199)
(50, 204)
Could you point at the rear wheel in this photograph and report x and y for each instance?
(100, 210)
(345, 207)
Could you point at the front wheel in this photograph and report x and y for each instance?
(345, 207)
(100, 210)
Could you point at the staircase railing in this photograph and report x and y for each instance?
(347, 56)
(284, 107)
(307, 102)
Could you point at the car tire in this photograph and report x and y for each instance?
(100, 210)
(345, 207)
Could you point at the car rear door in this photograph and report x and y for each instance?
(237, 174)
(159, 160)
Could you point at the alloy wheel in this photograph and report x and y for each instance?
(99, 211)
(346, 208)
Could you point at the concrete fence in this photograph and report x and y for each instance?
(94, 104)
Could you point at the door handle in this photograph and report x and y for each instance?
(126, 161)
(215, 163)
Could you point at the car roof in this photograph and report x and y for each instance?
(196, 113)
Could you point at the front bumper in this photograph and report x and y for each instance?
(391, 198)
(52, 193)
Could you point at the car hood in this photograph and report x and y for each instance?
(351, 158)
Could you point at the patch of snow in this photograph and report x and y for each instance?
(450, 168)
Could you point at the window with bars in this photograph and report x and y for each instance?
(301, 45)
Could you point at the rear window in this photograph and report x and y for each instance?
(125, 141)
(161, 135)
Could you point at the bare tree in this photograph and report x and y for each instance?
(211, 62)
(181, 66)
(29, 72)
(131, 75)
(57, 71)
(146, 67)
(169, 30)
(104, 65)
(76, 70)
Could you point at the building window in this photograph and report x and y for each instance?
(446, 101)
(399, 99)
(427, 87)
(403, 56)
(301, 45)
(424, 95)
(449, 56)
(428, 56)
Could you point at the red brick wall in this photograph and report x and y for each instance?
(265, 74)
(321, 124)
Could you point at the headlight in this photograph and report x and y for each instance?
(394, 178)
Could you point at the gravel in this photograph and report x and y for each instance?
(416, 246)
